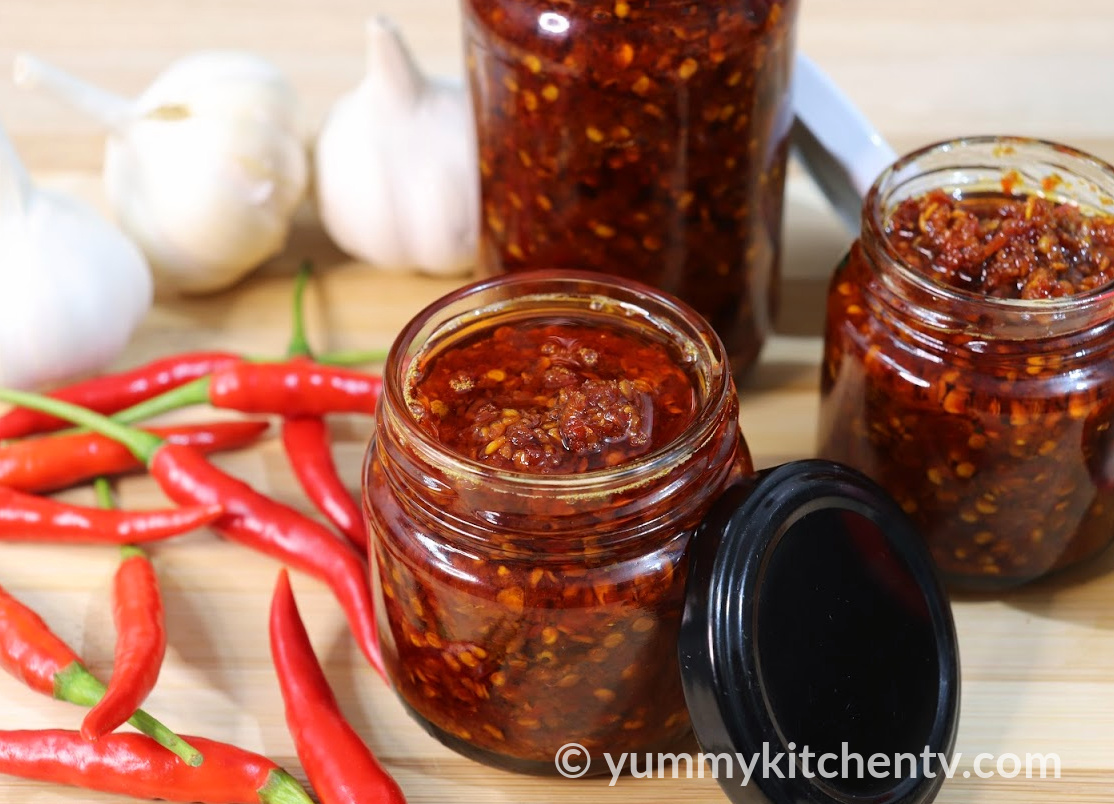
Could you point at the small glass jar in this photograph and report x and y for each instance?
(643, 139)
(520, 611)
(988, 419)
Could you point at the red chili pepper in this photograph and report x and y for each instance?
(341, 768)
(61, 461)
(33, 653)
(29, 650)
(249, 517)
(25, 517)
(308, 448)
(278, 530)
(114, 392)
(294, 388)
(306, 441)
(131, 764)
(288, 388)
(137, 612)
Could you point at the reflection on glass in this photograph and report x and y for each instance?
(553, 23)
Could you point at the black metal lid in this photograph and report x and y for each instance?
(815, 620)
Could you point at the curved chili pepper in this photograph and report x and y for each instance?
(341, 768)
(306, 441)
(251, 518)
(29, 650)
(132, 765)
(114, 392)
(25, 517)
(288, 388)
(61, 461)
(34, 654)
(278, 530)
(137, 612)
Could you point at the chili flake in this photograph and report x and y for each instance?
(1003, 245)
(554, 397)
(986, 415)
(660, 147)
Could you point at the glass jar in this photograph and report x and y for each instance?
(522, 611)
(641, 139)
(987, 418)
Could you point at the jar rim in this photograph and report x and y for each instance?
(997, 152)
(520, 289)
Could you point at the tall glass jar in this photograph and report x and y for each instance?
(987, 418)
(644, 139)
(523, 611)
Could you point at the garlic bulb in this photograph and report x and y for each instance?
(75, 287)
(204, 170)
(395, 165)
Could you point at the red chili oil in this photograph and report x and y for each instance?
(642, 139)
(554, 397)
(545, 448)
(1004, 245)
(969, 355)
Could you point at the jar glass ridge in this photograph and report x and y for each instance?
(520, 612)
(988, 419)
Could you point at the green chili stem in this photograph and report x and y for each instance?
(131, 551)
(77, 685)
(282, 788)
(104, 493)
(194, 392)
(139, 442)
(342, 357)
(299, 344)
(351, 357)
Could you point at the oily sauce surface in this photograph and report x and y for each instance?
(554, 397)
(1003, 245)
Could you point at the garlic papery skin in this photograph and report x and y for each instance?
(396, 168)
(204, 170)
(74, 286)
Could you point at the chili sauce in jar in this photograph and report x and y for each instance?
(643, 139)
(969, 354)
(545, 446)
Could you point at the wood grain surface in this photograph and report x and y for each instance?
(1038, 664)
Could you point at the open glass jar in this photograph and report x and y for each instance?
(985, 413)
(569, 546)
(643, 139)
(522, 609)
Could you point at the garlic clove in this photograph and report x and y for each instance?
(225, 84)
(389, 58)
(434, 192)
(355, 190)
(395, 164)
(66, 313)
(206, 169)
(75, 287)
(251, 178)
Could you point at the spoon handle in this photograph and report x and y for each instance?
(835, 142)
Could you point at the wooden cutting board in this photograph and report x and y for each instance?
(1038, 665)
